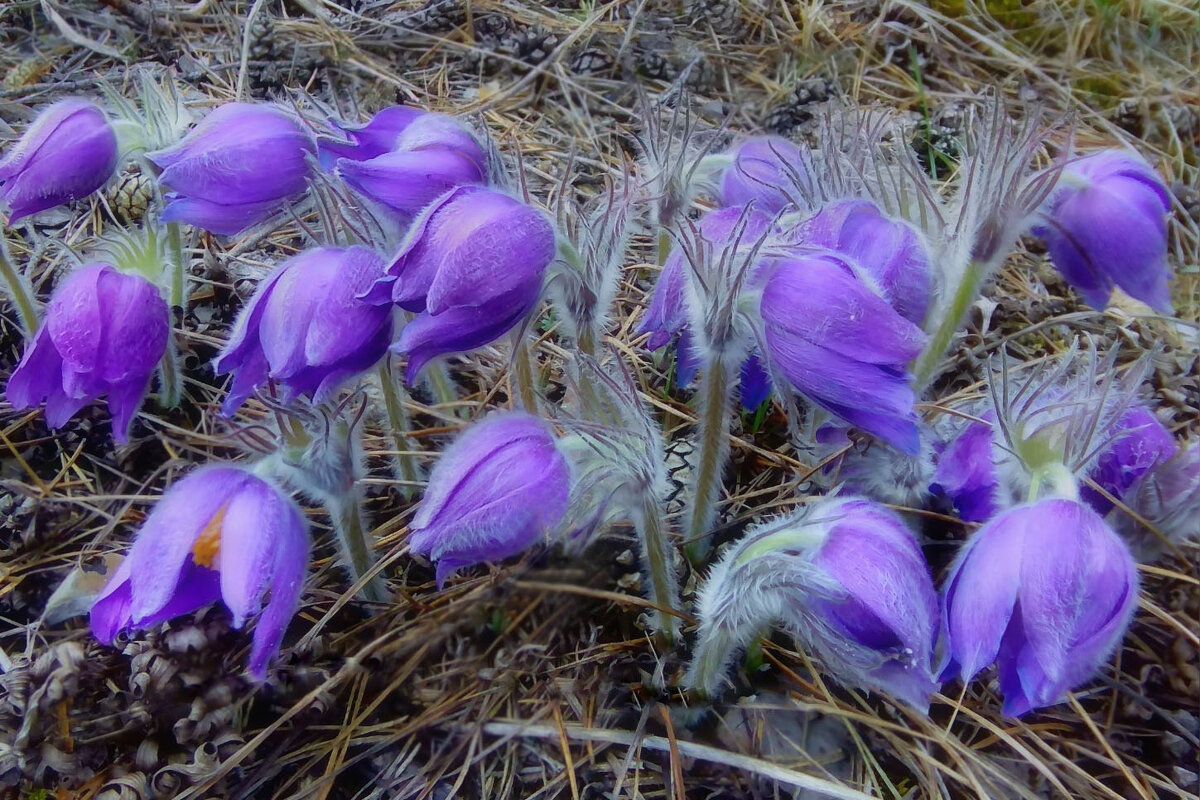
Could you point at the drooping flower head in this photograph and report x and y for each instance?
(306, 327)
(473, 266)
(104, 332)
(1105, 225)
(68, 152)
(768, 171)
(888, 252)
(847, 578)
(240, 165)
(223, 534)
(405, 158)
(1139, 444)
(1045, 590)
(498, 489)
(1168, 498)
(842, 345)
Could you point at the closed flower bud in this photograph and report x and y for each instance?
(1168, 497)
(847, 578)
(223, 534)
(103, 333)
(68, 152)
(1106, 224)
(1045, 590)
(240, 165)
(306, 327)
(889, 252)
(472, 265)
(769, 171)
(405, 159)
(1140, 443)
(842, 346)
(501, 487)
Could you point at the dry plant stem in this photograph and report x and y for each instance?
(523, 372)
(968, 290)
(656, 552)
(22, 293)
(712, 446)
(407, 469)
(358, 552)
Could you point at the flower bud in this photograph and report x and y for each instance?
(236, 168)
(842, 346)
(498, 489)
(1045, 590)
(1168, 497)
(221, 533)
(472, 265)
(769, 171)
(68, 152)
(104, 333)
(1139, 444)
(847, 578)
(1106, 224)
(306, 327)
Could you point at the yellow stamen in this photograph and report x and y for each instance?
(208, 544)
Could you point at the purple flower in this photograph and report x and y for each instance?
(306, 327)
(966, 474)
(768, 171)
(219, 534)
(842, 346)
(104, 333)
(1140, 443)
(1106, 224)
(405, 158)
(1168, 497)
(889, 251)
(472, 265)
(68, 152)
(498, 489)
(847, 577)
(236, 168)
(1045, 590)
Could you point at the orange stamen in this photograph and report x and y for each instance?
(208, 544)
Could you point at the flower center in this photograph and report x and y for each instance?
(208, 543)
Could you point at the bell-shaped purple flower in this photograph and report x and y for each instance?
(223, 534)
(498, 489)
(1140, 443)
(236, 168)
(889, 252)
(966, 474)
(68, 152)
(769, 171)
(472, 265)
(1106, 224)
(847, 577)
(842, 346)
(1045, 590)
(1168, 497)
(405, 158)
(306, 327)
(104, 333)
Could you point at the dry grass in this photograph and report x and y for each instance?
(536, 679)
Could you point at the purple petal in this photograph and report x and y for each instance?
(687, 359)
(124, 398)
(250, 374)
(303, 284)
(375, 138)
(197, 587)
(408, 181)
(667, 313)
(223, 219)
(755, 386)
(966, 474)
(39, 374)
(1141, 444)
(244, 338)
(291, 555)
(768, 171)
(75, 319)
(137, 323)
(110, 611)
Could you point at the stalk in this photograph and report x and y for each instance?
(405, 465)
(523, 372)
(714, 645)
(966, 293)
(22, 293)
(656, 553)
(713, 442)
(171, 380)
(437, 375)
(664, 246)
(356, 547)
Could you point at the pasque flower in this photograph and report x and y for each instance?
(1105, 224)
(405, 158)
(103, 333)
(68, 152)
(842, 345)
(1045, 590)
(1168, 497)
(1140, 443)
(847, 578)
(472, 265)
(306, 327)
(498, 489)
(236, 168)
(223, 534)
(768, 171)
(888, 252)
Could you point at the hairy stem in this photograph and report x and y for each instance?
(357, 549)
(407, 468)
(437, 375)
(715, 645)
(712, 448)
(965, 294)
(664, 246)
(22, 293)
(523, 372)
(657, 556)
(170, 376)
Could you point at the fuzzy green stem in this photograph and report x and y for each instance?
(586, 341)
(170, 376)
(664, 246)
(968, 290)
(657, 555)
(178, 267)
(22, 293)
(407, 469)
(523, 372)
(715, 645)
(356, 547)
(437, 375)
(713, 447)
